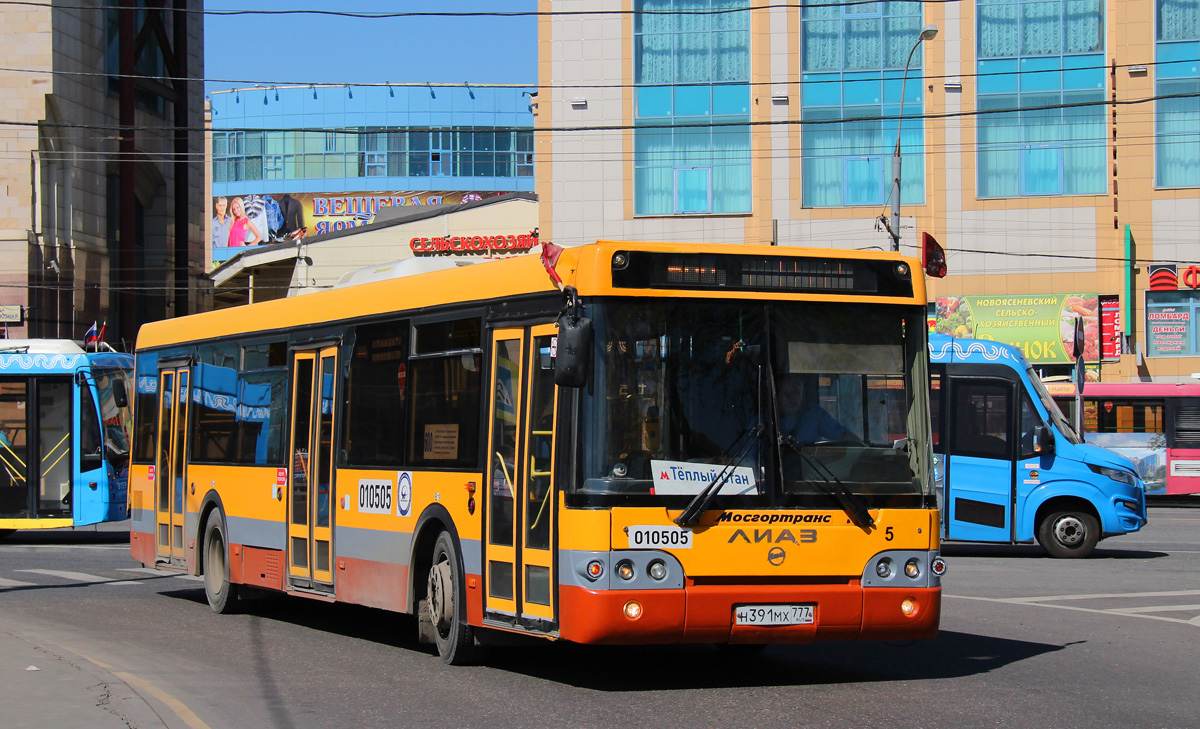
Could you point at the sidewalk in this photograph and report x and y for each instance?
(65, 691)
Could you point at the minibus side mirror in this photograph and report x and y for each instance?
(1043, 440)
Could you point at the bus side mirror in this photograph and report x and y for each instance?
(574, 351)
(1043, 440)
(120, 397)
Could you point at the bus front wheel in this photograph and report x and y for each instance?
(1069, 534)
(222, 595)
(446, 606)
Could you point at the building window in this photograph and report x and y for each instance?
(1041, 98)
(1177, 72)
(853, 59)
(691, 70)
(1171, 323)
(373, 158)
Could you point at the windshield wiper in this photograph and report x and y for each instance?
(850, 502)
(699, 504)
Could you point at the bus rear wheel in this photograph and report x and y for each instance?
(1069, 534)
(445, 602)
(221, 593)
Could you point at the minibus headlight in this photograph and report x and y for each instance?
(1116, 474)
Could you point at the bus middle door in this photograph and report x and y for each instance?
(310, 534)
(980, 469)
(171, 462)
(520, 501)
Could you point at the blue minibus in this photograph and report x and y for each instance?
(1009, 468)
(65, 428)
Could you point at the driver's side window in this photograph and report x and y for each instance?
(91, 442)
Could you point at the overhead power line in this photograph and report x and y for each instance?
(275, 85)
(623, 127)
(467, 14)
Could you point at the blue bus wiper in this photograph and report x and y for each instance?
(850, 502)
(699, 505)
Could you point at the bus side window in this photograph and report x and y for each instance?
(1029, 420)
(91, 448)
(982, 414)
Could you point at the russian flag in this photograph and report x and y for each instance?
(92, 336)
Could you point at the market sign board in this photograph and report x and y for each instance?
(1041, 325)
(274, 218)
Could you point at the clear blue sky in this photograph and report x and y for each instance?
(326, 49)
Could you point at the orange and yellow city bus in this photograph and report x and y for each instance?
(606, 463)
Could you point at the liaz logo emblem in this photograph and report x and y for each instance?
(770, 536)
(776, 556)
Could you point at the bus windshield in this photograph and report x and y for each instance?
(1056, 414)
(680, 388)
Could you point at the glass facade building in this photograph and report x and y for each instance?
(691, 137)
(853, 59)
(1177, 73)
(339, 139)
(1041, 87)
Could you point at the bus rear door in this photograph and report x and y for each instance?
(519, 497)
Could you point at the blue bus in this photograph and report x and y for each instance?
(1009, 467)
(65, 427)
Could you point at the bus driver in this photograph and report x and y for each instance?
(802, 417)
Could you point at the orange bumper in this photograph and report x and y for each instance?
(704, 614)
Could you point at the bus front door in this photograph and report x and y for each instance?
(980, 470)
(520, 500)
(310, 535)
(171, 462)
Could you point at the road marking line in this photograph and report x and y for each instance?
(80, 577)
(14, 583)
(1155, 609)
(161, 573)
(1194, 621)
(181, 710)
(1178, 593)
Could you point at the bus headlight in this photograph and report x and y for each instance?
(595, 569)
(625, 570)
(658, 570)
(883, 568)
(912, 568)
(938, 566)
(1115, 474)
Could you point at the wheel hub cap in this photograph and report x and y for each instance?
(441, 595)
(1069, 531)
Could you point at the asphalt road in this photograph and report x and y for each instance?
(1026, 641)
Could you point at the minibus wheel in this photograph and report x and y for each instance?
(445, 601)
(1069, 534)
(222, 595)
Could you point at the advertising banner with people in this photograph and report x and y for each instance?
(1041, 325)
(242, 221)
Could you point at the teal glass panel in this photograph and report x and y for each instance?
(998, 77)
(693, 100)
(654, 101)
(731, 99)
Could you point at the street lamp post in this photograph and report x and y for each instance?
(927, 33)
